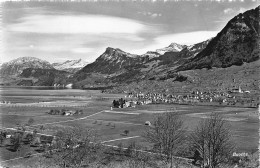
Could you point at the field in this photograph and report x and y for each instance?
(110, 123)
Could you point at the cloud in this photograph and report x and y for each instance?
(122, 36)
(150, 14)
(81, 36)
(188, 38)
(82, 50)
(154, 15)
(241, 10)
(80, 24)
(52, 46)
(87, 36)
(229, 11)
(181, 38)
(220, 21)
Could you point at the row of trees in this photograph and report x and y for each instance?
(63, 112)
(118, 103)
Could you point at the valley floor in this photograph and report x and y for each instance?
(109, 123)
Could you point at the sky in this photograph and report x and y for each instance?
(60, 31)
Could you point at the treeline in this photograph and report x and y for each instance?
(64, 112)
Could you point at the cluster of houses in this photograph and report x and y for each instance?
(65, 112)
(62, 85)
(197, 97)
(13, 139)
(122, 103)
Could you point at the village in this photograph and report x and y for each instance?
(235, 97)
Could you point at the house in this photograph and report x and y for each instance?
(127, 104)
(148, 101)
(237, 90)
(210, 99)
(147, 123)
(46, 139)
(36, 142)
(118, 104)
(67, 113)
(69, 85)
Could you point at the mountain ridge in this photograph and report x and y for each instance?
(43, 77)
(16, 66)
(236, 43)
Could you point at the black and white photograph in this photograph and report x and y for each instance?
(129, 83)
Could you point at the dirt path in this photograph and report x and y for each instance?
(112, 140)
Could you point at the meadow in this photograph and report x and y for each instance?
(110, 124)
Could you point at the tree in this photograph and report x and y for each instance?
(2, 138)
(28, 138)
(30, 121)
(167, 134)
(16, 140)
(113, 126)
(126, 132)
(75, 147)
(120, 148)
(212, 140)
(41, 127)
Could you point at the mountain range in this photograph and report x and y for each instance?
(31, 71)
(236, 44)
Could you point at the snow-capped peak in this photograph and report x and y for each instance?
(70, 64)
(173, 47)
(16, 66)
(177, 47)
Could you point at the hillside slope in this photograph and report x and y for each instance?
(237, 42)
(43, 77)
